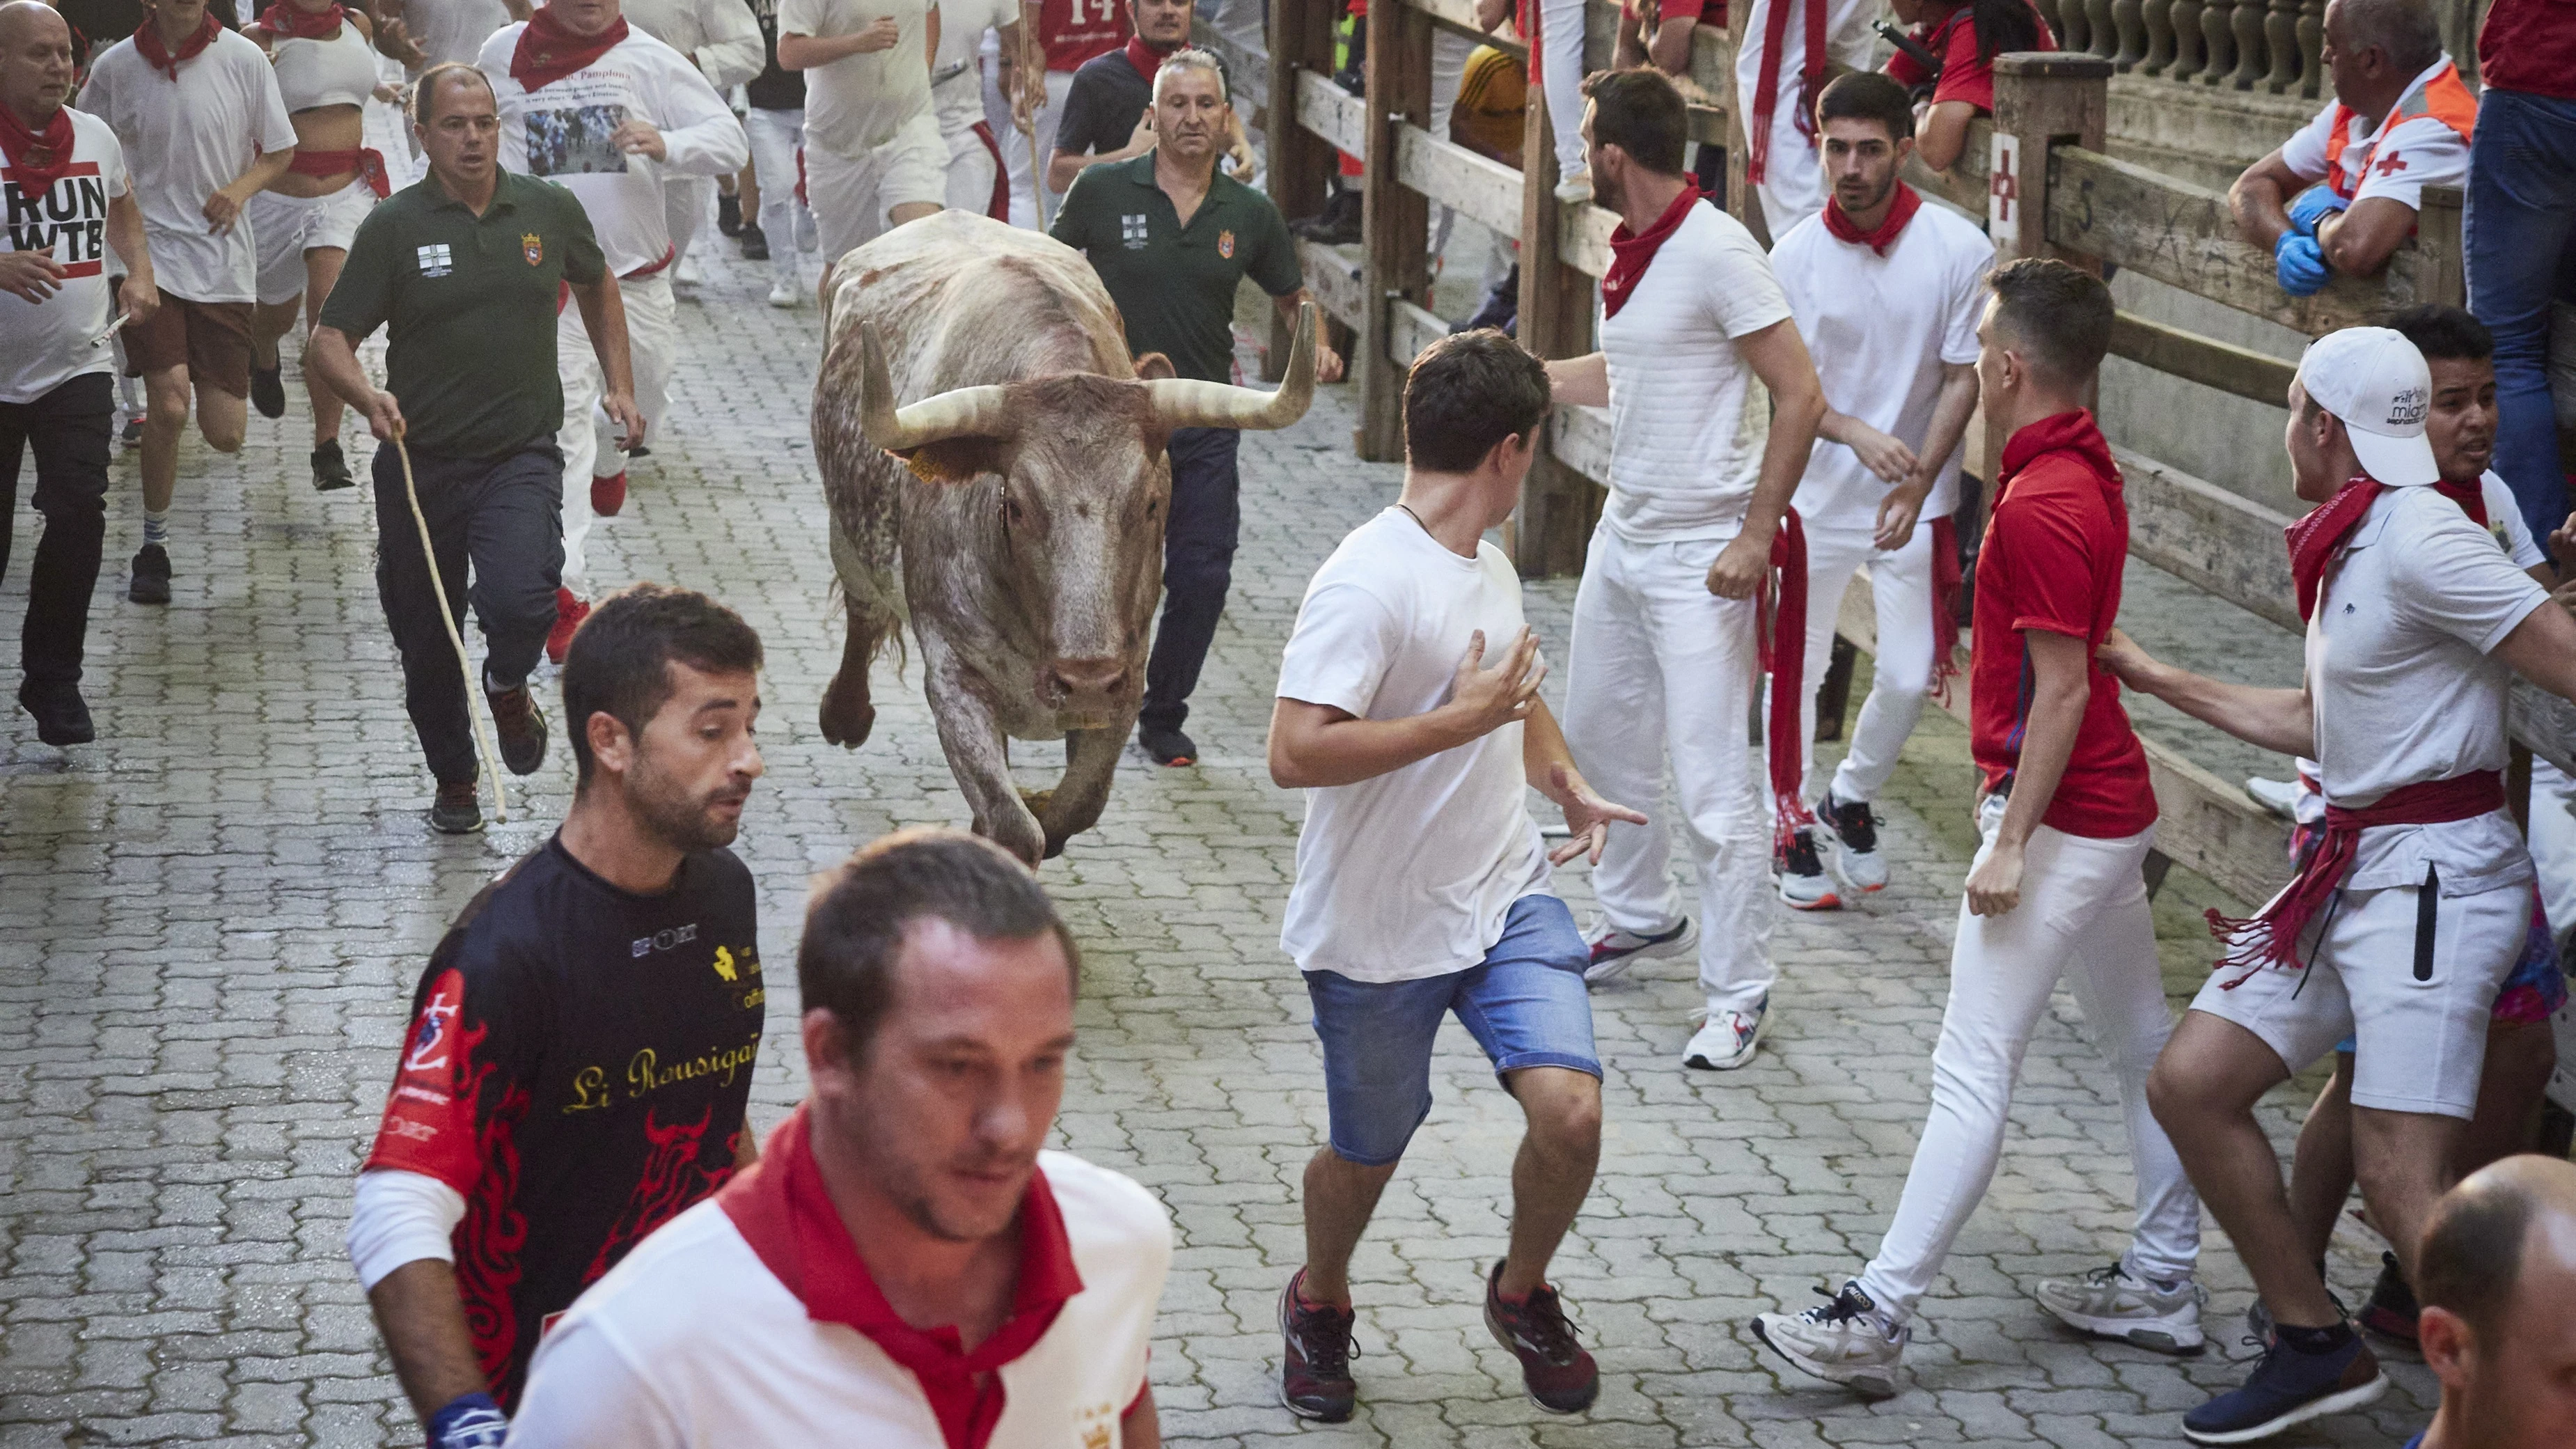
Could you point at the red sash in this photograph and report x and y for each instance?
(1908, 201)
(1783, 649)
(147, 43)
(367, 162)
(286, 21)
(1766, 88)
(37, 159)
(1945, 607)
(999, 208)
(547, 52)
(1631, 252)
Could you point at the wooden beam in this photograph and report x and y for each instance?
(1335, 281)
(1409, 329)
(1332, 113)
(1580, 440)
(1451, 175)
(1395, 220)
(1555, 321)
(1460, 16)
(2209, 538)
(1583, 240)
(1300, 162)
(1964, 184)
(2204, 360)
(2544, 724)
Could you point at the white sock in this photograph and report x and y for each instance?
(156, 526)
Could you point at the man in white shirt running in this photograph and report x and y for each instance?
(1665, 622)
(2410, 909)
(977, 181)
(722, 40)
(1887, 293)
(204, 130)
(906, 1267)
(873, 156)
(1409, 712)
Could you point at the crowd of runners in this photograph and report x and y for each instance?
(567, 1226)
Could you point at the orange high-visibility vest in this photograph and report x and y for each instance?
(2445, 98)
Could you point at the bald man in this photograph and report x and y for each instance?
(2498, 1269)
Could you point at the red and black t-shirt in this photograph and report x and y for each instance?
(577, 1067)
(1965, 76)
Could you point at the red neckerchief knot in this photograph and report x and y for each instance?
(147, 43)
(547, 51)
(2320, 533)
(1631, 251)
(37, 157)
(1900, 211)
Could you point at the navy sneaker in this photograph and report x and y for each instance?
(2289, 1387)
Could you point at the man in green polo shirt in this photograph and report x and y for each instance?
(1172, 237)
(465, 271)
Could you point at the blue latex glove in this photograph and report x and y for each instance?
(2300, 264)
(2310, 208)
(470, 1421)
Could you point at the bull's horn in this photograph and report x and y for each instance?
(1189, 403)
(960, 412)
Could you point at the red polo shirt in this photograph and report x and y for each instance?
(2529, 45)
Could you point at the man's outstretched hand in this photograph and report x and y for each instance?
(1587, 816)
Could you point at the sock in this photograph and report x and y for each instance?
(2314, 1341)
(125, 389)
(156, 527)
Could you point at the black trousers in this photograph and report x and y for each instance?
(503, 517)
(71, 429)
(1198, 567)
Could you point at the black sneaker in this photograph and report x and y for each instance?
(521, 726)
(2392, 1310)
(1167, 747)
(330, 469)
(2289, 1387)
(755, 243)
(268, 390)
(1315, 1372)
(1338, 224)
(132, 436)
(729, 213)
(62, 716)
(1804, 886)
(151, 581)
(458, 810)
(1560, 1376)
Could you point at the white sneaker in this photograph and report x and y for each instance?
(2281, 797)
(1804, 886)
(1575, 190)
(1853, 832)
(688, 274)
(784, 293)
(1614, 950)
(2109, 1303)
(1845, 1341)
(1726, 1041)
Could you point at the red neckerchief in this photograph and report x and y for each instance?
(1946, 579)
(147, 42)
(285, 21)
(37, 159)
(1899, 212)
(1766, 88)
(1144, 59)
(1783, 651)
(547, 52)
(1630, 252)
(785, 1214)
(2317, 534)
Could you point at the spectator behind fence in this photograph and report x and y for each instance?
(2338, 197)
(1966, 36)
(2499, 1266)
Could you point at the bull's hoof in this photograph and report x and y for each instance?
(1055, 846)
(848, 717)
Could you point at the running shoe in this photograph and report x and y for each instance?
(729, 213)
(1803, 882)
(1575, 190)
(268, 390)
(1615, 950)
(458, 810)
(608, 495)
(569, 612)
(1167, 747)
(2258, 1319)
(521, 726)
(2110, 1303)
(2392, 1309)
(1726, 1040)
(132, 434)
(2281, 797)
(331, 469)
(1853, 829)
(1845, 1340)
(2289, 1387)
(1560, 1376)
(62, 716)
(786, 292)
(150, 583)
(754, 243)
(1315, 1372)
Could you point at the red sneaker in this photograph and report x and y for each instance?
(1315, 1377)
(1561, 1377)
(569, 612)
(607, 495)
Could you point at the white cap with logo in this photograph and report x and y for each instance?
(2375, 381)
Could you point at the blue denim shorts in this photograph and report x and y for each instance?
(1525, 1005)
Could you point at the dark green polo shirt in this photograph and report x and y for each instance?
(1173, 284)
(468, 304)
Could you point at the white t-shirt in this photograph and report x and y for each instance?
(718, 35)
(64, 336)
(2403, 689)
(560, 132)
(960, 98)
(1687, 416)
(453, 30)
(2417, 150)
(184, 141)
(1410, 874)
(693, 1343)
(1879, 329)
(858, 102)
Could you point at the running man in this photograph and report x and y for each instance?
(976, 178)
(723, 41)
(581, 1044)
(873, 157)
(2057, 889)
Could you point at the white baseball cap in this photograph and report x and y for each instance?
(2375, 381)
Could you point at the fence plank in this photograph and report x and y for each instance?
(2204, 360)
(1409, 329)
(2209, 538)
(1394, 218)
(1583, 239)
(1335, 281)
(2543, 723)
(1451, 175)
(1301, 41)
(1332, 113)
(1581, 440)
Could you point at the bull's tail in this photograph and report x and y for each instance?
(871, 590)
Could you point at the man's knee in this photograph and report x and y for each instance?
(223, 434)
(165, 404)
(1563, 1108)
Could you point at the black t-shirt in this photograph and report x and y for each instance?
(775, 88)
(577, 1068)
(1104, 103)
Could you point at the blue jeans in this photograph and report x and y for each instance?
(1198, 567)
(2518, 230)
(1525, 1004)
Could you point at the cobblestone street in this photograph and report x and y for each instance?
(211, 922)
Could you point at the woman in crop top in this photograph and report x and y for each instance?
(326, 69)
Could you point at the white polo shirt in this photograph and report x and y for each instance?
(858, 103)
(185, 140)
(2403, 687)
(695, 1342)
(64, 336)
(1687, 419)
(1879, 329)
(2397, 156)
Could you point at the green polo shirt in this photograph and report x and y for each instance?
(1175, 284)
(468, 304)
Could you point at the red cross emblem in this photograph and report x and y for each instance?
(2390, 164)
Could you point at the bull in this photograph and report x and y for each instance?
(978, 422)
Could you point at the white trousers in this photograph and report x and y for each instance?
(2083, 916)
(1661, 670)
(776, 137)
(686, 200)
(1560, 28)
(970, 172)
(1902, 585)
(577, 368)
(2553, 845)
(1015, 147)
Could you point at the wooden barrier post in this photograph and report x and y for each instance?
(1555, 321)
(1300, 163)
(1395, 220)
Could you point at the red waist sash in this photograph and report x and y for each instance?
(366, 161)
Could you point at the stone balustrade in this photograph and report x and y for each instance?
(2269, 46)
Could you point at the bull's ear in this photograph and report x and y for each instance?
(1155, 364)
(955, 460)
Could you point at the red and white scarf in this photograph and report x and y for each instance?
(1145, 59)
(1783, 649)
(288, 22)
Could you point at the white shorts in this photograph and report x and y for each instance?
(851, 197)
(284, 228)
(972, 167)
(2410, 973)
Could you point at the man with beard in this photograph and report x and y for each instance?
(581, 1046)
(906, 1268)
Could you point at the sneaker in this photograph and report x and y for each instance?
(2109, 1303)
(1315, 1373)
(687, 275)
(608, 495)
(1846, 1340)
(2289, 1387)
(755, 243)
(458, 810)
(1338, 224)
(132, 434)
(786, 293)
(1853, 829)
(1614, 950)
(150, 583)
(1561, 1377)
(2281, 797)
(2392, 1310)
(729, 213)
(1726, 1041)
(569, 612)
(1575, 190)
(62, 716)
(521, 724)
(331, 469)
(1167, 747)
(268, 390)
(1803, 882)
